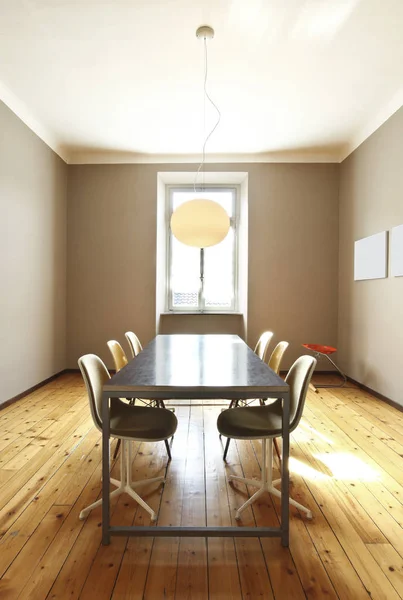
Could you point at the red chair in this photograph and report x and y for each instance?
(325, 351)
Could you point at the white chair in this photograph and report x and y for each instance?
(134, 343)
(118, 355)
(120, 361)
(135, 349)
(263, 344)
(127, 423)
(265, 423)
(274, 363)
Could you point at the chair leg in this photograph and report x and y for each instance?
(300, 507)
(277, 449)
(334, 385)
(161, 404)
(227, 443)
(262, 484)
(117, 449)
(126, 485)
(168, 450)
(232, 404)
(86, 511)
(266, 484)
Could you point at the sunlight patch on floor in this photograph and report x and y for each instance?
(301, 468)
(346, 466)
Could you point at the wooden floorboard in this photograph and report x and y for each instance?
(347, 465)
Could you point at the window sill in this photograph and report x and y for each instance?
(181, 313)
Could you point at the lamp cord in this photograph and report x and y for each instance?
(206, 95)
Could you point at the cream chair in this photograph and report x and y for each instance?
(135, 349)
(274, 363)
(262, 344)
(134, 343)
(127, 423)
(264, 422)
(261, 350)
(120, 361)
(118, 355)
(276, 357)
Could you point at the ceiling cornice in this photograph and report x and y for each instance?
(85, 158)
(20, 109)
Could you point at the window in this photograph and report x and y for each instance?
(217, 291)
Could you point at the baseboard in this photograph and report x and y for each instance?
(32, 389)
(376, 394)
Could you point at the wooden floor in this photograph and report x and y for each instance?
(346, 466)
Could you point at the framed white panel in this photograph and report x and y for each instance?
(396, 251)
(370, 257)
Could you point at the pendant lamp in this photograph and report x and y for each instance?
(201, 222)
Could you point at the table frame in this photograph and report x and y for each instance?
(206, 531)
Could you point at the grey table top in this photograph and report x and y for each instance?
(197, 366)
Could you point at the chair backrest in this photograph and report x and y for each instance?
(277, 356)
(95, 375)
(134, 343)
(263, 343)
(118, 354)
(298, 378)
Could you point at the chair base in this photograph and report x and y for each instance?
(266, 484)
(126, 485)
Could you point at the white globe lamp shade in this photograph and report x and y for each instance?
(200, 223)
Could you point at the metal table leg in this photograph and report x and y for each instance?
(285, 492)
(106, 537)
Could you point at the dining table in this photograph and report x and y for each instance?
(193, 368)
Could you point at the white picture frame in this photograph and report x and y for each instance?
(396, 251)
(371, 257)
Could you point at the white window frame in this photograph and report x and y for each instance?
(234, 221)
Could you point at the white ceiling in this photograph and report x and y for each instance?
(121, 80)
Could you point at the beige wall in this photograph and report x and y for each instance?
(371, 312)
(293, 254)
(33, 182)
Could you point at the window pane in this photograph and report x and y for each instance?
(219, 274)
(185, 275)
(219, 261)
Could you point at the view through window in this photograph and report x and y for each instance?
(218, 292)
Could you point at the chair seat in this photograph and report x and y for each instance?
(251, 422)
(320, 349)
(141, 422)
